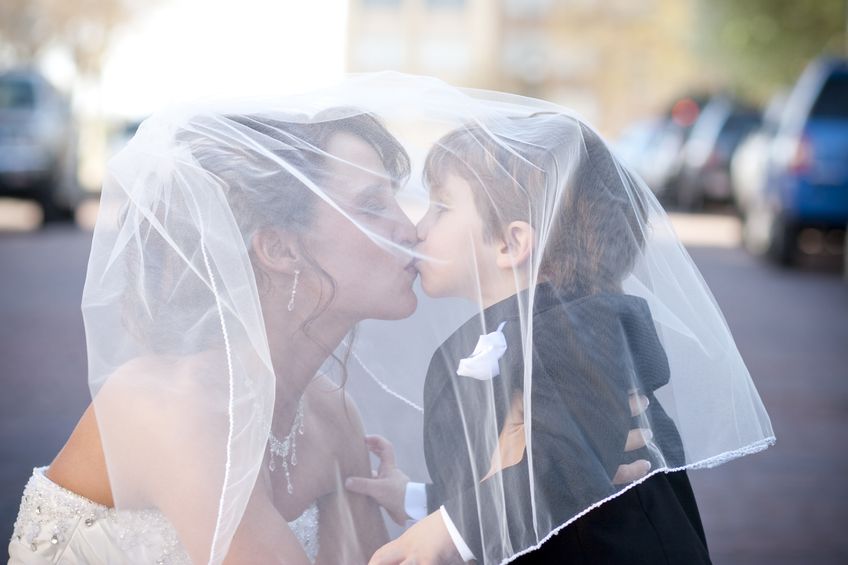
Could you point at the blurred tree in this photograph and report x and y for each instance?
(81, 28)
(760, 45)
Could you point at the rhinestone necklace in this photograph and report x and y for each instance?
(286, 449)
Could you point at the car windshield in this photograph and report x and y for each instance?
(833, 100)
(16, 94)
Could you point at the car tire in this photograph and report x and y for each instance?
(783, 240)
(689, 196)
(51, 211)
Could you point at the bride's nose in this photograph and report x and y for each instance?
(409, 237)
(405, 232)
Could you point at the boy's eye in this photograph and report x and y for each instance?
(439, 208)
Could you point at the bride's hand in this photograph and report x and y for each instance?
(388, 487)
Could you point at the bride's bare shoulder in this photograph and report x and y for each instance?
(148, 412)
(167, 396)
(80, 466)
(171, 374)
(165, 391)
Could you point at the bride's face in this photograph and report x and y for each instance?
(371, 280)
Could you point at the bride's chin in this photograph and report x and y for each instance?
(404, 307)
(411, 303)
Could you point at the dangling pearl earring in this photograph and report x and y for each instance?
(294, 290)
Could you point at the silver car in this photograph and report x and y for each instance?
(37, 143)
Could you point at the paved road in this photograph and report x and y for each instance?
(788, 505)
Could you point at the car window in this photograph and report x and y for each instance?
(833, 99)
(738, 125)
(734, 130)
(16, 94)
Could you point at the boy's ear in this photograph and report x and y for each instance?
(517, 246)
(275, 251)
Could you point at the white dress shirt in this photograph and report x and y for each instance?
(415, 504)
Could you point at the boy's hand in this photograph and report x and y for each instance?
(511, 444)
(636, 439)
(388, 487)
(426, 543)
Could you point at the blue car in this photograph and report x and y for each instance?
(807, 172)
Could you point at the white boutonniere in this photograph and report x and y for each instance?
(482, 364)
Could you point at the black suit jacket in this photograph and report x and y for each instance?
(588, 353)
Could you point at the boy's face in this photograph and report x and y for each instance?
(459, 262)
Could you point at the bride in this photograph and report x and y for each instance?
(203, 378)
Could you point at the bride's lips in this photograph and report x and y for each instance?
(412, 268)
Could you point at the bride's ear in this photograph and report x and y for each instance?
(516, 247)
(275, 251)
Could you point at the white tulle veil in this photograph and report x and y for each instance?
(181, 300)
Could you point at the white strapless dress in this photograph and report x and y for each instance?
(55, 525)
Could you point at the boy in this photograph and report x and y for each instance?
(532, 219)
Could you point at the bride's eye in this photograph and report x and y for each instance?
(374, 200)
(373, 206)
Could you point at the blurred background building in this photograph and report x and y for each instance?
(625, 65)
(609, 60)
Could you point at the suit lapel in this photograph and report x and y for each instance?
(461, 343)
(445, 450)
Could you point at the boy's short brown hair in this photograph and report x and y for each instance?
(555, 173)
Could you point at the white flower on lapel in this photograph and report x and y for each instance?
(483, 362)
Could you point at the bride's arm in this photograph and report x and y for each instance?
(263, 536)
(351, 526)
(167, 451)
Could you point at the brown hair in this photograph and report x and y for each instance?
(550, 170)
(259, 191)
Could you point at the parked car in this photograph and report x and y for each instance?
(38, 149)
(653, 146)
(705, 170)
(748, 166)
(807, 173)
(636, 147)
(667, 153)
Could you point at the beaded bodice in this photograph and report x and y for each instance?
(56, 525)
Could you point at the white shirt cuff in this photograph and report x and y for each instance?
(415, 501)
(460, 544)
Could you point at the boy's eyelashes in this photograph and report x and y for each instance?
(440, 207)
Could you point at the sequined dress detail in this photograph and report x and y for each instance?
(56, 525)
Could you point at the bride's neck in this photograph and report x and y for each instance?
(297, 354)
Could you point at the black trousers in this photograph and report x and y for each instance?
(655, 523)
